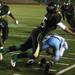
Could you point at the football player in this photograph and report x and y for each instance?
(4, 12)
(67, 10)
(54, 45)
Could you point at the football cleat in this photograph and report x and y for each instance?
(13, 60)
(30, 62)
(13, 63)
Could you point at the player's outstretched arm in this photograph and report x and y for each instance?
(11, 15)
(65, 28)
(69, 31)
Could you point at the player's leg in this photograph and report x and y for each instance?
(63, 47)
(35, 43)
(4, 51)
(55, 44)
(15, 57)
(38, 47)
(26, 45)
(5, 31)
(23, 47)
(55, 57)
(4, 28)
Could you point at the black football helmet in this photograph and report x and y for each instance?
(51, 9)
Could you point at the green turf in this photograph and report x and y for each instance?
(30, 16)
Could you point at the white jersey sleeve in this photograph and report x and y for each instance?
(61, 25)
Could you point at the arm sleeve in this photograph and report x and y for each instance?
(61, 25)
(8, 12)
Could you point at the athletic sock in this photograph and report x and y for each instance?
(13, 48)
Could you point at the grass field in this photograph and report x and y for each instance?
(30, 16)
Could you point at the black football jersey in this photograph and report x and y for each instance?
(68, 10)
(50, 21)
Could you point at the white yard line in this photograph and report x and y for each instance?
(21, 26)
(20, 36)
(65, 70)
(72, 53)
(63, 64)
(53, 70)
